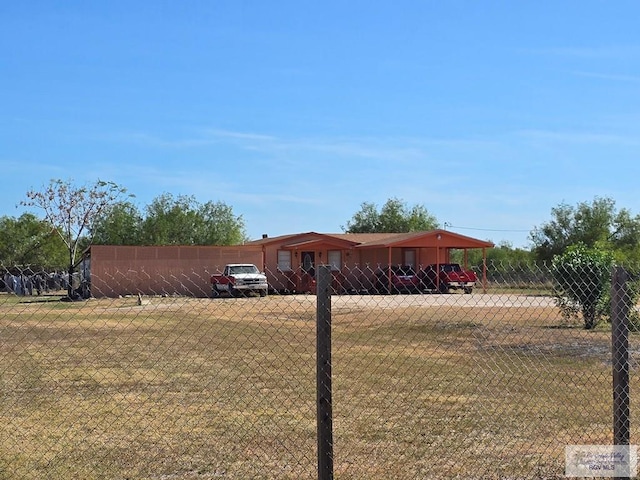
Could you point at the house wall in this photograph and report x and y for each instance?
(162, 270)
(278, 279)
(358, 265)
(185, 270)
(427, 256)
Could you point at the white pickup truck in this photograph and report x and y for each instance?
(239, 278)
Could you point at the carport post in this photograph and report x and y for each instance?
(323, 373)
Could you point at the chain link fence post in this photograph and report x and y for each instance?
(620, 355)
(323, 373)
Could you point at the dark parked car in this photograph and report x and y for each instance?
(397, 279)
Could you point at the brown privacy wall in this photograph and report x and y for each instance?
(166, 270)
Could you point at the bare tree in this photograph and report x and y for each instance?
(72, 210)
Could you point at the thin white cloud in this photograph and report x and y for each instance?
(214, 186)
(154, 141)
(241, 135)
(594, 52)
(362, 149)
(578, 137)
(608, 76)
(395, 149)
(46, 170)
(292, 151)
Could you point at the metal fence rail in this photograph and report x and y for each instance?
(492, 384)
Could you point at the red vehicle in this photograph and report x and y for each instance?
(448, 276)
(239, 278)
(397, 279)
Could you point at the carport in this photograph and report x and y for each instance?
(422, 248)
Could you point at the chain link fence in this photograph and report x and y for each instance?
(424, 384)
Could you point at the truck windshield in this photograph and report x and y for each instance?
(238, 269)
(451, 267)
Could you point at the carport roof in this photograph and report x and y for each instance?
(433, 238)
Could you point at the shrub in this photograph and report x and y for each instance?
(583, 280)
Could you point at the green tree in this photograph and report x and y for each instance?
(169, 221)
(507, 266)
(394, 217)
(583, 279)
(29, 241)
(120, 224)
(503, 254)
(367, 220)
(183, 221)
(71, 211)
(595, 223)
(219, 225)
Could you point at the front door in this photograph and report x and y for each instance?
(308, 274)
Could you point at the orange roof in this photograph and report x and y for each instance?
(431, 238)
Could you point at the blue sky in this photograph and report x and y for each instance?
(294, 113)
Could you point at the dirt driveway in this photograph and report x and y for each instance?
(482, 300)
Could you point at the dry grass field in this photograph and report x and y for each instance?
(425, 386)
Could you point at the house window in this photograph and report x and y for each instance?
(284, 260)
(410, 258)
(334, 258)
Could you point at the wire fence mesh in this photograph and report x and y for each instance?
(426, 384)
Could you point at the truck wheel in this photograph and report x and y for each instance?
(263, 293)
(444, 288)
(215, 293)
(468, 289)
